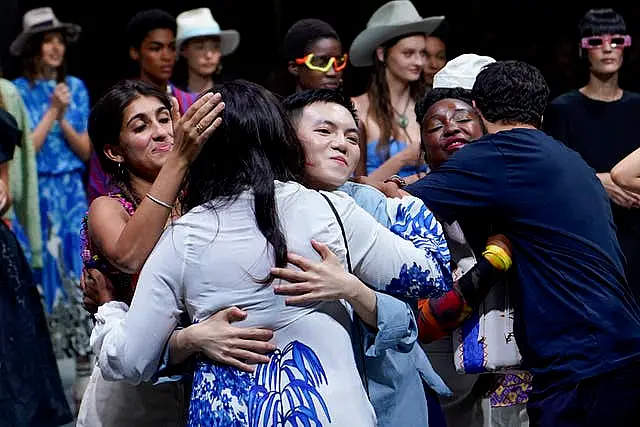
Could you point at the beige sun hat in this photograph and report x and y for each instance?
(200, 23)
(41, 20)
(391, 20)
(461, 71)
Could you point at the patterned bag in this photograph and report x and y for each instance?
(485, 342)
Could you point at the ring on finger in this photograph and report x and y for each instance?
(199, 128)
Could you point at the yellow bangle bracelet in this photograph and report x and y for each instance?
(494, 260)
(499, 253)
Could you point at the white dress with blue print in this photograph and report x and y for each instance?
(208, 261)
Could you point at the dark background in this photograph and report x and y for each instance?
(540, 32)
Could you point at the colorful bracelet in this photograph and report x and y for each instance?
(498, 257)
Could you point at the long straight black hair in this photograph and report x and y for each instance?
(254, 145)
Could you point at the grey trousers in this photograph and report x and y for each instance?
(509, 416)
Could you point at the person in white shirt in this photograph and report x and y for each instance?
(245, 214)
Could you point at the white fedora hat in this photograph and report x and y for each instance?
(200, 23)
(41, 20)
(461, 71)
(391, 20)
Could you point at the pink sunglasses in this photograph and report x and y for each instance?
(616, 41)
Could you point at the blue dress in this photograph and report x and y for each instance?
(375, 159)
(63, 202)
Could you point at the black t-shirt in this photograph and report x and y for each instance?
(575, 317)
(603, 133)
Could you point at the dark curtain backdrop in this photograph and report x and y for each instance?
(539, 32)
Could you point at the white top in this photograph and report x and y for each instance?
(210, 260)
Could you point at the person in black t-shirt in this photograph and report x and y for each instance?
(577, 324)
(598, 121)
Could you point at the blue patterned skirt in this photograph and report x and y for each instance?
(63, 203)
(284, 392)
(219, 396)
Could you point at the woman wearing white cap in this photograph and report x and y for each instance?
(201, 44)
(394, 43)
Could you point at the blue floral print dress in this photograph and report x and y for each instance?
(63, 203)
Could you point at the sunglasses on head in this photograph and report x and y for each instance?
(616, 41)
(323, 63)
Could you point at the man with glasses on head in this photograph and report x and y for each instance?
(598, 120)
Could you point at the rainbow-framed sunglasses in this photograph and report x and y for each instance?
(616, 41)
(323, 63)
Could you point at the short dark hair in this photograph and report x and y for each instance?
(295, 104)
(146, 21)
(438, 94)
(303, 34)
(512, 92)
(597, 22)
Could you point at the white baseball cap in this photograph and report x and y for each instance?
(461, 71)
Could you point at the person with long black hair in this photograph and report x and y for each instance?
(244, 213)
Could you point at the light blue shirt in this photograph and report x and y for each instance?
(395, 373)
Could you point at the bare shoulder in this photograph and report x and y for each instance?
(104, 207)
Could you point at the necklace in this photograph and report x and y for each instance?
(403, 120)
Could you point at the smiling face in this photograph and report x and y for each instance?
(330, 138)
(447, 126)
(52, 49)
(146, 138)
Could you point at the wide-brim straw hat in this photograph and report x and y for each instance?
(391, 20)
(41, 20)
(200, 23)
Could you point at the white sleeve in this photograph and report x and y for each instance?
(133, 342)
(384, 260)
